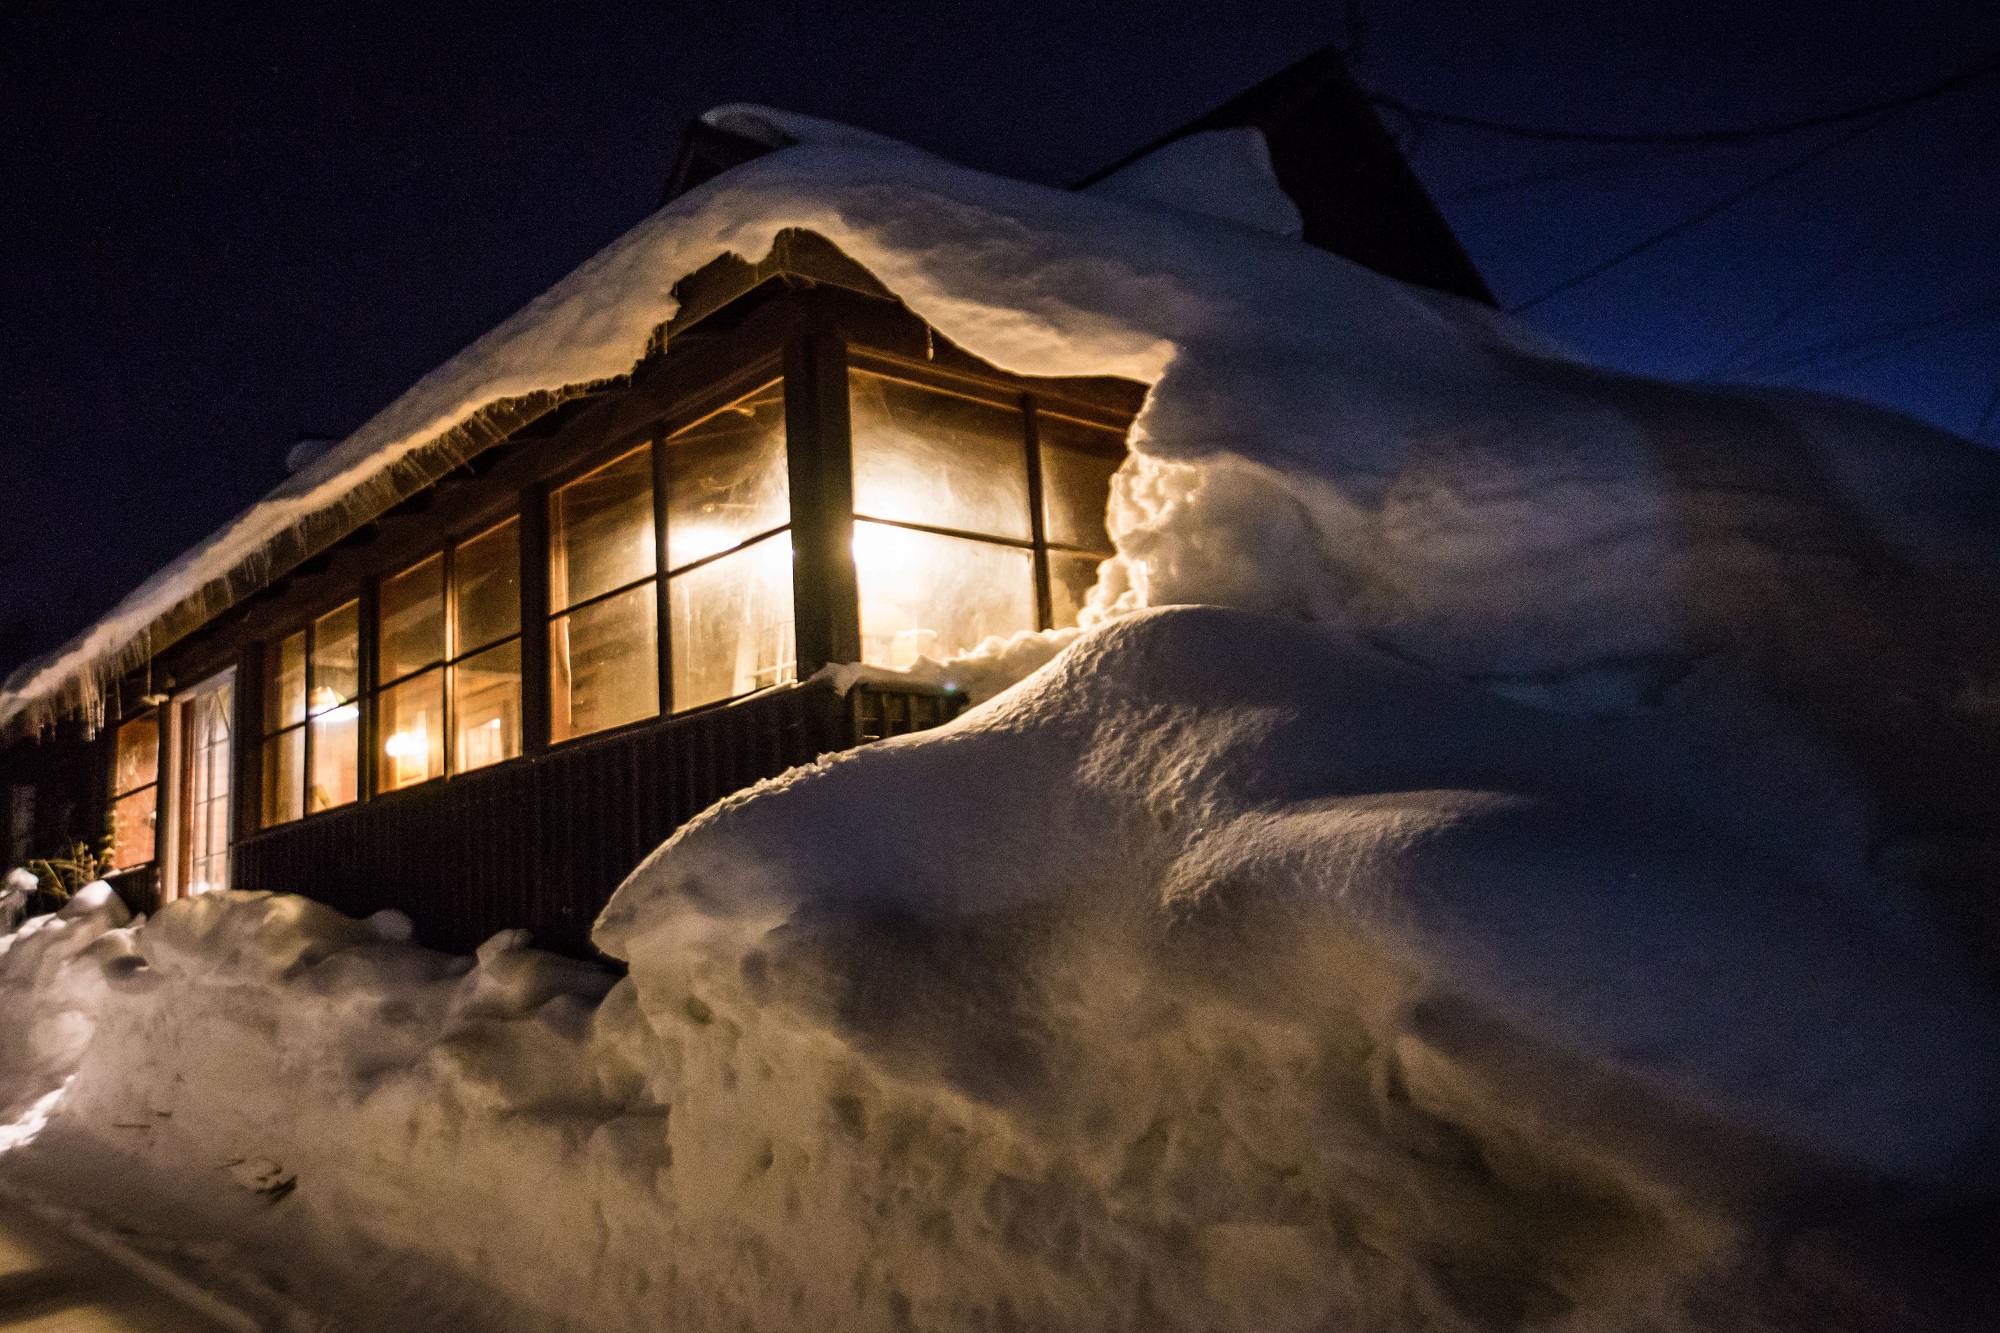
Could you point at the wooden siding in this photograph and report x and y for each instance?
(541, 842)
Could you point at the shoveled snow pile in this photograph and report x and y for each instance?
(1513, 850)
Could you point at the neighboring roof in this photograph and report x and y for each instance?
(1352, 185)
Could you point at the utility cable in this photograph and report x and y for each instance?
(1550, 175)
(1986, 417)
(1722, 205)
(1874, 342)
(1849, 257)
(1972, 74)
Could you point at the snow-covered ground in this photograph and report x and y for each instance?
(1512, 850)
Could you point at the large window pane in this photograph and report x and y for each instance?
(923, 595)
(411, 616)
(921, 456)
(411, 724)
(726, 478)
(601, 530)
(1071, 577)
(138, 753)
(487, 575)
(732, 624)
(336, 660)
(486, 707)
(132, 828)
(336, 758)
(1077, 463)
(604, 665)
(284, 787)
(285, 684)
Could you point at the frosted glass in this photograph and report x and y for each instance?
(1071, 577)
(486, 574)
(284, 777)
(285, 684)
(411, 725)
(604, 665)
(138, 753)
(411, 617)
(726, 478)
(601, 530)
(132, 828)
(923, 595)
(336, 756)
(486, 708)
(921, 456)
(732, 624)
(1077, 463)
(336, 660)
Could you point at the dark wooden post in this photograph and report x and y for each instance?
(365, 697)
(534, 620)
(663, 637)
(820, 458)
(248, 782)
(1045, 615)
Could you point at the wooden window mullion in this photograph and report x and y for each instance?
(662, 633)
(1045, 613)
(536, 624)
(819, 459)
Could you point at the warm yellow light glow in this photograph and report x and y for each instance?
(329, 704)
(890, 569)
(689, 542)
(407, 744)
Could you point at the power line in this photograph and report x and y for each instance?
(1985, 417)
(1986, 67)
(1874, 342)
(1727, 202)
(1549, 175)
(1852, 254)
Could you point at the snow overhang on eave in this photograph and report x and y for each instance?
(80, 679)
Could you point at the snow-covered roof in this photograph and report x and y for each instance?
(1289, 372)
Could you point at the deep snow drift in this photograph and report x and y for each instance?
(1545, 884)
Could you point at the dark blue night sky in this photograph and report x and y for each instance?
(224, 231)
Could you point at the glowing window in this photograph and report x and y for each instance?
(449, 698)
(603, 560)
(727, 507)
(927, 457)
(333, 713)
(731, 624)
(135, 792)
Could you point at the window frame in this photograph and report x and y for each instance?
(119, 794)
(307, 630)
(446, 554)
(1032, 406)
(685, 411)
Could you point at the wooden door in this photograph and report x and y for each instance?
(202, 725)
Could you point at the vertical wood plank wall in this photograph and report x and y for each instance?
(541, 842)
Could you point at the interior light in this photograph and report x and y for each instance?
(406, 744)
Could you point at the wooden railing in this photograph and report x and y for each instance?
(541, 842)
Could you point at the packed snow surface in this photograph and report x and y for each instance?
(1512, 849)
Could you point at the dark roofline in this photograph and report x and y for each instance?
(1351, 183)
(1342, 169)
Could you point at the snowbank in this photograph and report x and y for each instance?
(1542, 887)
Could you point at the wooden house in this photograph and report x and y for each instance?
(483, 696)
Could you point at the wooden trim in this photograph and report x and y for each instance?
(247, 784)
(663, 647)
(1066, 398)
(535, 702)
(820, 460)
(368, 710)
(1045, 608)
